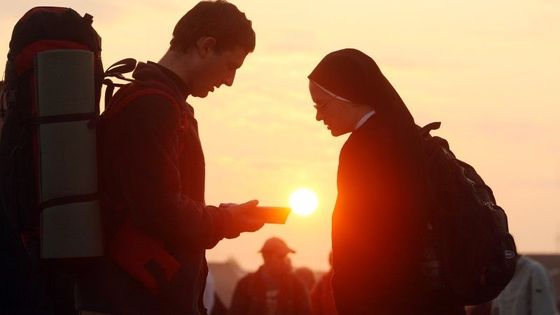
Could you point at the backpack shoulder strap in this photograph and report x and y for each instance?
(132, 91)
(117, 70)
(126, 97)
(140, 88)
(429, 127)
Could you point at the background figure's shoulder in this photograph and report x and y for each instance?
(534, 267)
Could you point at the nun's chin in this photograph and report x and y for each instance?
(336, 133)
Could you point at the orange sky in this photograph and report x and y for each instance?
(488, 70)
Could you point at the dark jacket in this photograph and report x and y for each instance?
(250, 295)
(377, 225)
(321, 296)
(152, 174)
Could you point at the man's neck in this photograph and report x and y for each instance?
(178, 63)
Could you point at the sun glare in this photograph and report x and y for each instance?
(303, 201)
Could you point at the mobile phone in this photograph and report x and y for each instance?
(275, 215)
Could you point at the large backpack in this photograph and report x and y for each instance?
(40, 32)
(470, 253)
(54, 59)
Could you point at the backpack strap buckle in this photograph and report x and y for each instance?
(429, 127)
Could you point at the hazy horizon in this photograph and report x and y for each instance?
(487, 70)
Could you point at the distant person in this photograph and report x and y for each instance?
(530, 292)
(152, 174)
(273, 289)
(209, 293)
(379, 218)
(306, 276)
(322, 300)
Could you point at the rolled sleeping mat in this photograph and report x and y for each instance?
(67, 167)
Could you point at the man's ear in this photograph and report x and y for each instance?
(205, 44)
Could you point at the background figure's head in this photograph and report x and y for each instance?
(345, 85)
(275, 255)
(214, 38)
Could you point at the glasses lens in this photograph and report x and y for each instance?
(319, 106)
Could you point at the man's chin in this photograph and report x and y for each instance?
(200, 94)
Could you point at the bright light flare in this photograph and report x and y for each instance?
(303, 201)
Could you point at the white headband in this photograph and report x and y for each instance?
(340, 98)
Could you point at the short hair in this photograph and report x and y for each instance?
(219, 19)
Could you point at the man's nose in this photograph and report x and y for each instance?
(319, 116)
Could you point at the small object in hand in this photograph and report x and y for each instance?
(276, 215)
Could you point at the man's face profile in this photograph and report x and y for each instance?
(217, 68)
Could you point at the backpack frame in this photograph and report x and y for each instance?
(33, 287)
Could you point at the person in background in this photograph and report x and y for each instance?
(209, 293)
(306, 276)
(322, 300)
(384, 197)
(273, 289)
(530, 291)
(152, 170)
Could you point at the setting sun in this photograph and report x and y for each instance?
(303, 201)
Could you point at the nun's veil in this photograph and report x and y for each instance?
(355, 76)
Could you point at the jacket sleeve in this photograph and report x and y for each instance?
(315, 298)
(542, 292)
(150, 180)
(302, 298)
(240, 300)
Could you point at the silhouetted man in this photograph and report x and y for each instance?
(152, 173)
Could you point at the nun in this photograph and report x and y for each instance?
(383, 192)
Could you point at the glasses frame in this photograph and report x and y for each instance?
(321, 106)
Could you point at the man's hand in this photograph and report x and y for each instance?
(245, 216)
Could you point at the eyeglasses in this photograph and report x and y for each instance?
(322, 105)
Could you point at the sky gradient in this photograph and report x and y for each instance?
(489, 71)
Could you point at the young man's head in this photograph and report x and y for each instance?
(214, 38)
(218, 19)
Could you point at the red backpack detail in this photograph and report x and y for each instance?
(142, 257)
